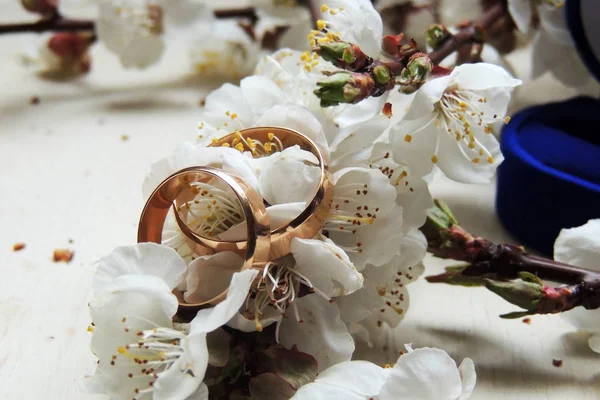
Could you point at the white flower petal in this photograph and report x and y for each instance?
(412, 191)
(521, 13)
(326, 266)
(365, 219)
(321, 334)
(279, 215)
(241, 323)
(225, 102)
(426, 97)
(142, 259)
(482, 76)
(261, 94)
(187, 157)
(200, 394)
(468, 377)
(427, 374)
(357, 22)
(347, 380)
(594, 342)
(586, 320)
(183, 378)
(579, 246)
(299, 119)
(561, 60)
(414, 142)
(290, 179)
(457, 160)
(119, 313)
(209, 276)
(354, 138)
(230, 53)
(321, 391)
(210, 319)
(126, 30)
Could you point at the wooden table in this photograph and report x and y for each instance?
(68, 175)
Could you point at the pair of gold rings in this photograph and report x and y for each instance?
(262, 243)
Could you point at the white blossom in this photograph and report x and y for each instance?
(450, 124)
(222, 48)
(140, 351)
(581, 247)
(553, 47)
(425, 374)
(137, 30)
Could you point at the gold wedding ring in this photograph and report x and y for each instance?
(178, 187)
(310, 221)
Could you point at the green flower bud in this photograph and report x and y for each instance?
(382, 74)
(526, 295)
(335, 51)
(344, 87)
(435, 35)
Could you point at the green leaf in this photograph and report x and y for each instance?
(516, 314)
(529, 277)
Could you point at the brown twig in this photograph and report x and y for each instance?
(468, 33)
(52, 24)
(494, 264)
(57, 23)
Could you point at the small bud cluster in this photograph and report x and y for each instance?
(72, 51)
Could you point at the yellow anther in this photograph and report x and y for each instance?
(475, 160)
(490, 160)
(268, 146)
(481, 152)
(239, 147)
(271, 135)
(506, 120)
(305, 56)
(214, 140)
(201, 125)
(408, 138)
(234, 116)
(307, 68)
(434, 159)
(122, 350)
(324, 8)
(321, 24)
(225, 145)
(227, 113)
(332, 12)
(91, 329)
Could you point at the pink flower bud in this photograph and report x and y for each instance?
(72, 48)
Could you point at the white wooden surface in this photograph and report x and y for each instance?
(66, 174)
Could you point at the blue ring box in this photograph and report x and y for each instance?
(550, 178)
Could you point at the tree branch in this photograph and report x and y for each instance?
(494, 264)
(468, 33)
(57, 23)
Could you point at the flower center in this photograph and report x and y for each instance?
(278, 287)
(155, 351)
(459, 112)
(149, 17)
(212, 211)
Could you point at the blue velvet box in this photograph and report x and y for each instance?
(550, 178)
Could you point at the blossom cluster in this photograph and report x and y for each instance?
(348, 282)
